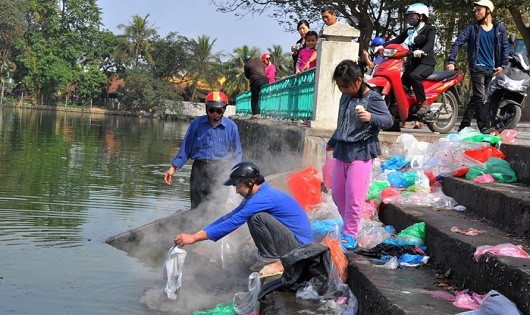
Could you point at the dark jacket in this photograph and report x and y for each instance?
(424, 41)
(471, 36)
(255, 72)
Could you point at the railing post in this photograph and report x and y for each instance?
(336, 46)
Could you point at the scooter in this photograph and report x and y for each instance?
(508, 91)
(440, 89)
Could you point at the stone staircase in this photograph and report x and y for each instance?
(503, 210)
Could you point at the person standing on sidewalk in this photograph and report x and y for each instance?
(255, 73)
(212, 141)
(487, 55)
(270, 68)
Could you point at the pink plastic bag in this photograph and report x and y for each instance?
(508, 136)
(327, 170)
(505, 249)
(470, 301)
(484, 179)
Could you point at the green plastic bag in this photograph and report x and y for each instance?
(219, 309)
(475, 171)
(500, 170)
(484, 138)
(414, 233)
(376, 187)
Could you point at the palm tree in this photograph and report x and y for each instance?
(205, 64)
(234, 73)
(281, 60)
(139, 34)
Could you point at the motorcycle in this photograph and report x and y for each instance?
(440, 89)
(508, 91)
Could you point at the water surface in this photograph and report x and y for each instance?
(67, 182)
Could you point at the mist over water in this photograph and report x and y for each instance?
(67, 183)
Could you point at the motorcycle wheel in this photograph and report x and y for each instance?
(509, 115)
(445, 120)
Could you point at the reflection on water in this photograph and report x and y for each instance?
(67, 182)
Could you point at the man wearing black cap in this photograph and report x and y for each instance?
(276, 221)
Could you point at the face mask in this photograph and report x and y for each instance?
(412, 21)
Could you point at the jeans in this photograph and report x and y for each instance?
(478, 106)
(255, 89)
(272, 238)
(205, 180)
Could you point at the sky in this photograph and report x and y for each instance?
(193, 18)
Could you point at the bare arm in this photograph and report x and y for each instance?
(187, 239)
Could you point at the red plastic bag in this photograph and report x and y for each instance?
(483, 154)
(305, 188)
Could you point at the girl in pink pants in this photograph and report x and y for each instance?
(362, 113)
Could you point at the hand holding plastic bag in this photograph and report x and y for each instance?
(173, 269)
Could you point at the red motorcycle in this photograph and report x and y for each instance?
(440, 89)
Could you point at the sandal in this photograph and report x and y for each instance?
(348, 242)
(422, 110)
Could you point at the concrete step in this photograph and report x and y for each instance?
(506, 206)
(401, 291)
(452, 253)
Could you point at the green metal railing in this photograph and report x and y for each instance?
(289, 98)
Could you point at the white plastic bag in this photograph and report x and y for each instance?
(173, 270)
(246, 302)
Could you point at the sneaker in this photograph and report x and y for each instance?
(348, 242)
(487, 131)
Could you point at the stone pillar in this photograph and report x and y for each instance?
(335, 46)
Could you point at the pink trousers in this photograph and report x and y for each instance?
(350, 184)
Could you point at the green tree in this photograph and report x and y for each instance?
(12, 26)
(139, 35)
(282, 61)
(170, 57)
(205, 64)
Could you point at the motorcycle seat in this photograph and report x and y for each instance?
(442, 75)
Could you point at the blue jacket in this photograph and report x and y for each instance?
(471, 36)
(272, 201)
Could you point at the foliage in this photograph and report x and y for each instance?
(89, 84)
(282, 61)
(138, 34)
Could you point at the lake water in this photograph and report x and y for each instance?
(67, 182)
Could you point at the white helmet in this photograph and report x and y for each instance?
(485, 3)
(419, 8)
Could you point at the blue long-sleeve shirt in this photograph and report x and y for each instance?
(206, 142)
(272, 201)
(355, 140)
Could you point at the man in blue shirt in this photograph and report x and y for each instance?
(212, 141)
(487, 55)
(276, 221)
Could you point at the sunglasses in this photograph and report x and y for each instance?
(218, 110)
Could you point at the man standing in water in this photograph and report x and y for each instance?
(276, 221)
(487, 55)
(212, 141)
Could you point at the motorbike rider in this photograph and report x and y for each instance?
(419, 38)
(487, 55)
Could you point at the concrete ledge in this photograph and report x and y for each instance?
(506, 206)
(453, 253)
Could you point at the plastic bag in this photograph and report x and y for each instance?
(332, 240)
(402, 179)
(484, 179)
(508, 136)
(327, 170)
(219, 309)
(247, 302)
(173, 271)
(483, 154)
(494, 303)
(395, 163)
(305, 186)
(414, 233)
(500, 170)
(376, 187)
(505, 249)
